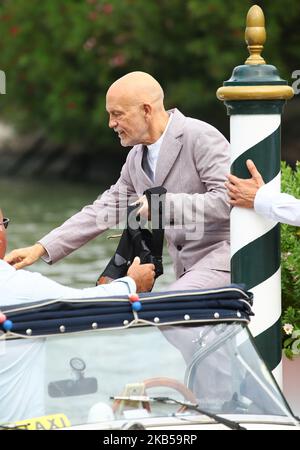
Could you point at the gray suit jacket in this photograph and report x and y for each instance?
(192, 165)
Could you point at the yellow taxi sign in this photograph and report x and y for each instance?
(50, 422)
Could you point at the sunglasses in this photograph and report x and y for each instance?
(5, 222)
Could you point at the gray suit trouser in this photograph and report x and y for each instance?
(201, 279)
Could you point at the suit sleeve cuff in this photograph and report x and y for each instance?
(263, 201)
(45, 257)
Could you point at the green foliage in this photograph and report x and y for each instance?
(290, 251)
(290, 244)
(61, 56)
(292, 316)
(291, 328)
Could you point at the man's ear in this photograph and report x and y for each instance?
(147, 110)
(2, 244)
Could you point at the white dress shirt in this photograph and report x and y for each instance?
(277, 206)
(21, 286)
(22, 360)
(153, 149)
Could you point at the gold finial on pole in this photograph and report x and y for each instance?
(255, 35)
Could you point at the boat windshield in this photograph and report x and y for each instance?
(107, 375)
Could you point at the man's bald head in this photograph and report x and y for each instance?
(137, 88)
(135, 104)
(3, 241)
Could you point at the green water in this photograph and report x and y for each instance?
(35, 208)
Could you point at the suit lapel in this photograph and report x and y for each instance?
(168, 153)
(170, 148)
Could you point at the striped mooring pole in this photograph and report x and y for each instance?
(254, 97)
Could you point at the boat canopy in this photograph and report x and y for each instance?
(55, 316)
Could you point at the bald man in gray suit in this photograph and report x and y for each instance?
(190, 158)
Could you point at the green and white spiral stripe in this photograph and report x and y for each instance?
(255, 241)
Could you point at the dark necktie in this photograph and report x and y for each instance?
(145, 164)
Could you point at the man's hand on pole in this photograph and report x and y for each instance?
(242, 192)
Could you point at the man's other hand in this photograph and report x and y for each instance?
(23, 257)
(242, 192)
(142, 274)
(143, 210)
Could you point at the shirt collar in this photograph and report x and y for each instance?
(156, 145)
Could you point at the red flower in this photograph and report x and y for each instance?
(93, 15)
(71, 105)
(117, 60)
(14, 30)
(90, 43)
(5, 17)
(107, 8)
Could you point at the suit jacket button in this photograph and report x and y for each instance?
(179, 247)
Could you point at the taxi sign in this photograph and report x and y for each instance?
(50, 422)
